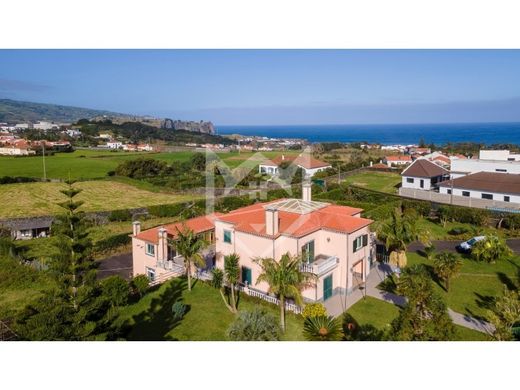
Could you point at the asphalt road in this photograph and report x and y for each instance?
(116, 265)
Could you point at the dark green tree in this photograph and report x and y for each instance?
(74, 309)
(425, 315)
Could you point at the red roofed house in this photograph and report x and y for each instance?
(305, 161)
(397, 160)
(335, 242)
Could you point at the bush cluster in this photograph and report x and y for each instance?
(112, 242)
(477, 217)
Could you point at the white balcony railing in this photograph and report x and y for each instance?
(321, 265)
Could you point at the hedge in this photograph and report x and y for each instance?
(112, 242)
(477, 217)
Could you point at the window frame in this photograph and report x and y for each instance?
(147, 252)
(410, 180)
(227, 236)
(485, 195)
(507, 198)
(466, 193)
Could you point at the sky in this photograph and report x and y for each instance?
(274, 87)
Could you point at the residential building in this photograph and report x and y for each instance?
(28, 228)
(14, 151)
(424, 175)
(502, 187)
(42, 125)
(154, 253)
(334, 241)
(501, 161)
(114, 145)
(309, 164)
(397, 160)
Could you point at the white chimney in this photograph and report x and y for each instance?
(307, 192)
(162, 249)
(271, 221)
(136, 228)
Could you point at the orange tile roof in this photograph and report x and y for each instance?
(251, 219)
(398, 158)
(442, 158)
(198, 225)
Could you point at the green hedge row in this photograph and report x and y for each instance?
(112, 242)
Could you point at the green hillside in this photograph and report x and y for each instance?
(18, 111)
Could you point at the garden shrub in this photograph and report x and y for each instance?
(458, 231)
(232, 203)
(178, 310)
(140, 284)
(314, 310)
(255, 325)
(115, 290)
(16, 179)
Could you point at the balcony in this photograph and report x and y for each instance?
(321, 265)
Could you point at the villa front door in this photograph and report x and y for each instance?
(327, 287)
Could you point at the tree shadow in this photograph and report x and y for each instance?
(505, 279)
(157, 321)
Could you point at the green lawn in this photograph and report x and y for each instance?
(207, 318)
(380, 314)
(89, 164)
(471, 291)
(377, 181)
(31, 199)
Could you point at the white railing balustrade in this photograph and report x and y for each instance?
(269, 298)
(319, 267)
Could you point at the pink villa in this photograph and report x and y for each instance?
(334, 241)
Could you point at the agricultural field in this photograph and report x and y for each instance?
(90, 164)
(33, 199)
(377, 181)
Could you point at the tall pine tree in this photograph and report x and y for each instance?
(75, 309)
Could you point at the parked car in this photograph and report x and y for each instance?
(465, 247)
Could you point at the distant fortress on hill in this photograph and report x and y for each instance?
(197, 127)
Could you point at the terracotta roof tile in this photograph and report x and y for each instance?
(251, 219)
(198, 225)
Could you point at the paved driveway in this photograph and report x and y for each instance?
(116, 265)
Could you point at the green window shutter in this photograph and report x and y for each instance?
(246, 275)
(365, 240)
(327, 287)
(227, 236)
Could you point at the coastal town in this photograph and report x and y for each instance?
(329, 208)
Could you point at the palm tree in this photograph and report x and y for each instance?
(189, 245)
(322, 328)
(285, 279)
(490, 249)
(399, 231)
(232, 272)
(230, 276)
(447, 265)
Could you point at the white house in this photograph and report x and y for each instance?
(114, 145)
(391, 161)
(42, 125)
(309, 164)
(423, 174)
(503, 187)
(502, 155)
(501, 161)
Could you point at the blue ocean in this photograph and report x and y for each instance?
(439, 134)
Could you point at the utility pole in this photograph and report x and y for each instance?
(43, 158)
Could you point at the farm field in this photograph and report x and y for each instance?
(89, 164)
(377, 181)
(32, 199)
